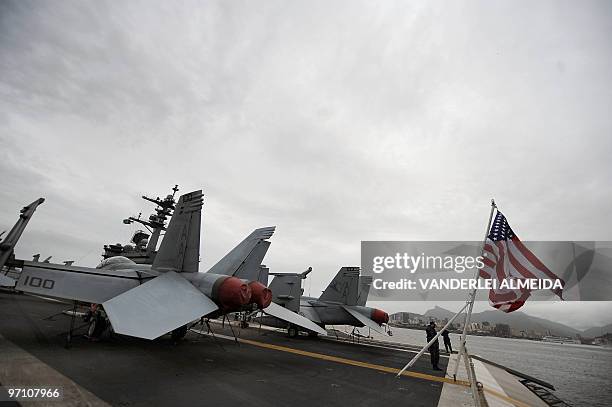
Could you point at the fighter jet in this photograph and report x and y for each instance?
(342, 302)
(148, 301)
(255, 246)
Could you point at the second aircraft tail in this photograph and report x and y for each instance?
(344, 288)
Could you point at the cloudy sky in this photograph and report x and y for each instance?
(334, 121)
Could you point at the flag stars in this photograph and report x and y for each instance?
(501, 229)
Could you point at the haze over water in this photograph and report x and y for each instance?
(580, 373)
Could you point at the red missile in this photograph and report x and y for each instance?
(380, 316)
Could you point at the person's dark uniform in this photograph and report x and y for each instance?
(447, 342)
(434, 348)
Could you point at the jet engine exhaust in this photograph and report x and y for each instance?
(261, 295)
(379, 316)
(233, 294)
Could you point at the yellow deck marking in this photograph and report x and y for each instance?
(372, 366)
(380, 368)
(352, 362)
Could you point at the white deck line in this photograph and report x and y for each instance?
(452, 395)
(501, 389)
(19, 368)
(484, 376)
(499, 380)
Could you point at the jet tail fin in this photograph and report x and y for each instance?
(344, 288)
(287, 289)
(263, 274)
(180, 249)
(244, 260)
(250, 268)
(8, 244)
(365, 282)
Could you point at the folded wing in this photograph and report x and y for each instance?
(363, 319)
(283, 313)
(157, 307)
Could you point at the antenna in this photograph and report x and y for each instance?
(157, 220)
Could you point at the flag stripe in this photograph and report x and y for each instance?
(527, 268)
(532, 259)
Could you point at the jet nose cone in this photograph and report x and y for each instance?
(261, 295)
(380, 316)
(233, 294)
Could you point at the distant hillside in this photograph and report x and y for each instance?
(440, 313)
(521, 321)
(597, 331)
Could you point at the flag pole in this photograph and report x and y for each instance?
(472, 297)
(469, 303)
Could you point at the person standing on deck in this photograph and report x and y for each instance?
(434, 348)
(447, 342)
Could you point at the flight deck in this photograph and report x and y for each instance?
(263, 367)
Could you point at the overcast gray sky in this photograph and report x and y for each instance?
(335, 121)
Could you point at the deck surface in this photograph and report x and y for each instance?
(266, 368)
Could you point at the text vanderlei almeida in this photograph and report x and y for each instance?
(406, 264)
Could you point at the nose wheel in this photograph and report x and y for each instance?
(98, 322)
(96, 328)
(292, 331)
(314, 334)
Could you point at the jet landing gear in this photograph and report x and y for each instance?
(97, 326)
(313, 334)
(292, 331)
(179, 333)
(98, 322)
(244, 318)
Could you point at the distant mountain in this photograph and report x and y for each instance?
(597, 331)
(440, 313)
(521, 321)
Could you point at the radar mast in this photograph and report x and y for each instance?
(145, 244)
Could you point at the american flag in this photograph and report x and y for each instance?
(506, 257)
